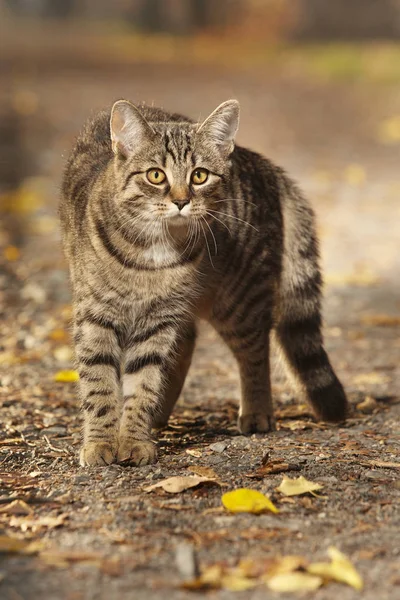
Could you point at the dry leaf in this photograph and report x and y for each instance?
(18, 507)
(175, 485)
(15, 545)
(362, 278)
(271, 468)
(37, 523)
(64, 559)
(249, 501)
(221, 577)
(368, 405)
(372, 378)
(297, 425)
(195, 453)
(385, 465)
(294, 582)
(66, 376)
(381, 320)
(11, 253)
(298, 486)
(203, 471)
(339, 569)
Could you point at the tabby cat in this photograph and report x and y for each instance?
(165, 221)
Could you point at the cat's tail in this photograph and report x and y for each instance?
(298, 321)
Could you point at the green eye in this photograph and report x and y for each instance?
(199, 176)
(156, 176)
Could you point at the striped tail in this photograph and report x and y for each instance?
(298, 324)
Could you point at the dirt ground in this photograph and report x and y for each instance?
(102, 536)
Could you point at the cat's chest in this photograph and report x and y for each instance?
(158, 256)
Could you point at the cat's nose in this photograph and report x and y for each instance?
(181, 203)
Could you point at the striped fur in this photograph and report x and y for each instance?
(148, 260)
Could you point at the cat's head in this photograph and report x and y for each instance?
(172, 173)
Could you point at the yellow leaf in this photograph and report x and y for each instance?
(175, 485)
(58, 335)
(17, 507)
(10, 544)
(363, 277)
(220, 577)
(294, 582)
(381, 320)
(339, 569)
(235, 582)
(66, 376)
(250, 501)
(296, 487)
(11, 253)
(372, 378)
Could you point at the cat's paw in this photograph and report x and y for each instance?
(256, 423)
(137, 452)
(97, 454)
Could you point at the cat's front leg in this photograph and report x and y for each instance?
(98, 353)
(150, 355)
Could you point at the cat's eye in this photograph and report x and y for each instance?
(199, 176)
(156, 176)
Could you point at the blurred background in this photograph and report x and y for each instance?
(319, 86)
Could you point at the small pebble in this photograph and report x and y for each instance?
(218, 446)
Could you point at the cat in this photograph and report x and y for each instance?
(166, 221)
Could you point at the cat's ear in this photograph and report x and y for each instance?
(128, 128)
(221, 126)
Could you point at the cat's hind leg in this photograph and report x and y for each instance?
(249, 343)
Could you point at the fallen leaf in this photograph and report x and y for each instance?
(15, 545)
(37, 523)
(298, 425)
(298, 486)
(339, 569)
(18, 507)
(362, 278)
(195, 453)
(368, 405)
(294, 582)
(270, 468)
(372, 378)
(58, 335)
(66, 376)
(64, 559)
(175, 485)
(11, 253)
(249, 501)
(381, 320)
(203, 471)
(385, 465)
(220, 577)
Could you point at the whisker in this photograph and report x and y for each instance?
(208, 247)
(219, 220)
(236, 218)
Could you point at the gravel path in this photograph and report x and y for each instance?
(102, 536)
